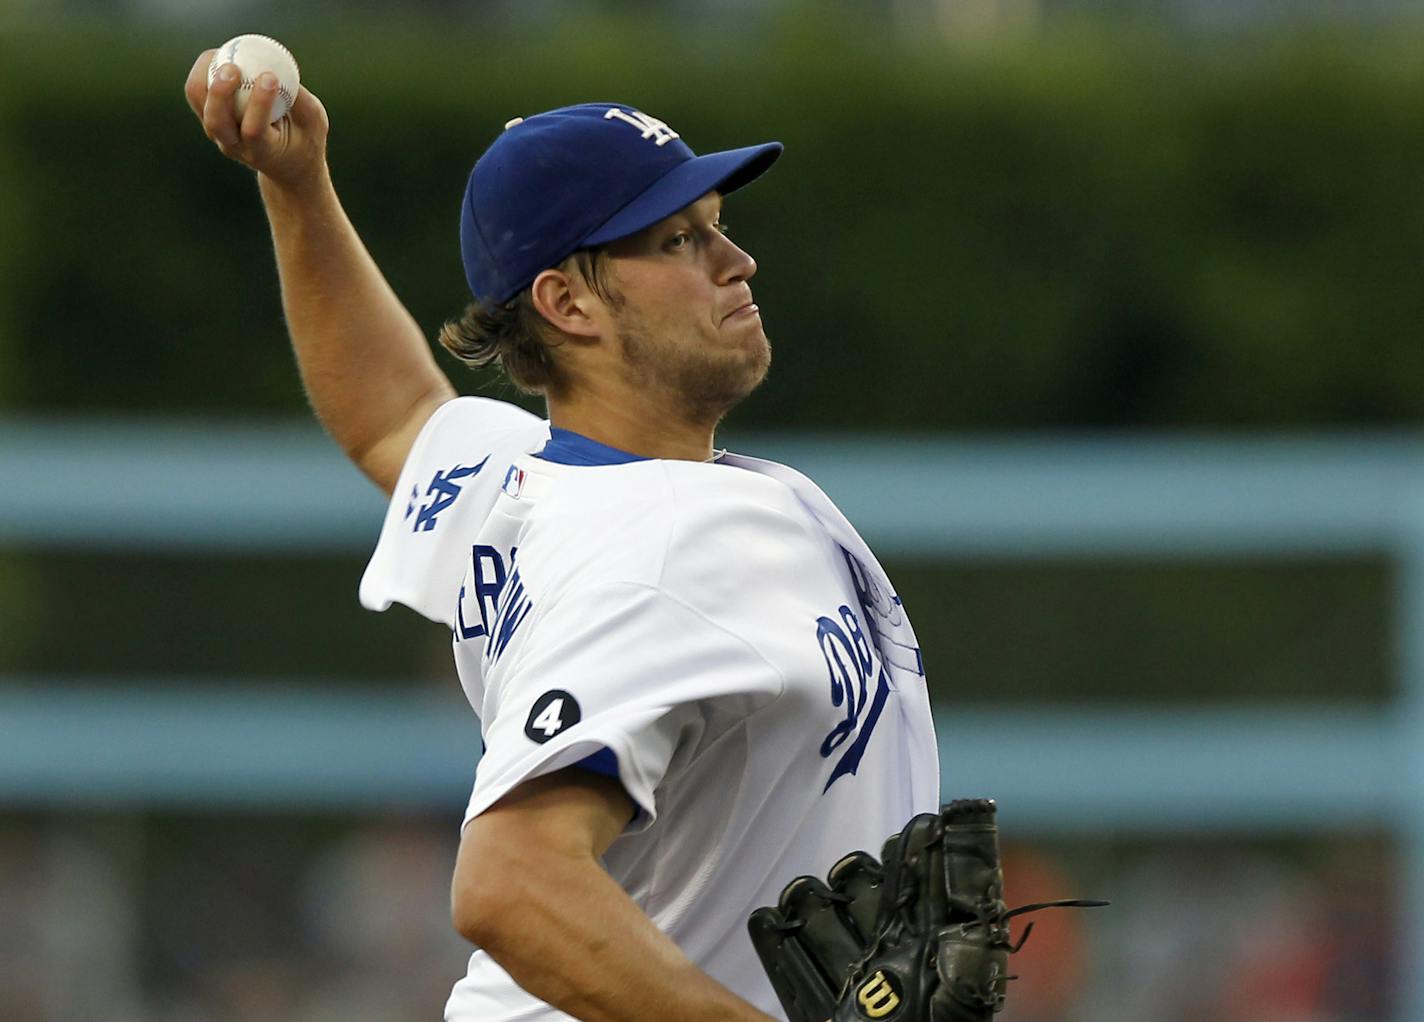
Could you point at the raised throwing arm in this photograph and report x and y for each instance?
(366, 366)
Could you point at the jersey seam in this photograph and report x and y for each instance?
(672, 525)
(659, 590)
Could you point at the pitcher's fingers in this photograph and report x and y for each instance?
(219, 116)
(307, 112)
(257, 118)
(196, 87)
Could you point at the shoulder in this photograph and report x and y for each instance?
(585, 526)
(473, 422)
(736, 529)
(467, 440)
(446, 489)
(668, 524)
(722, 499)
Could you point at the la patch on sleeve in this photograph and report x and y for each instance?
(554, 712)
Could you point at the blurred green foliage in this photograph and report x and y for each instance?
(1082, 228)
(12, 214)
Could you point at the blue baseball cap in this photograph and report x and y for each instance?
(577, 177)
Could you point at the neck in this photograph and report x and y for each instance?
(632, 427)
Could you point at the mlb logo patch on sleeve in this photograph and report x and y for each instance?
(513, 481)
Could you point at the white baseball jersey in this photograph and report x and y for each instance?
(714, 635)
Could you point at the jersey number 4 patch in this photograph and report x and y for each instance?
(554, 712)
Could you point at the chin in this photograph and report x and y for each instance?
(751, 376)
(714, 390)
(760, 368)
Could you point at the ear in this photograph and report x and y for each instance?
(565, 304)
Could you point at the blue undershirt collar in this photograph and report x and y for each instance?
(565, 447)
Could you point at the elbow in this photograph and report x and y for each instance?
(484, 902)
(518, 861)
(474, 910)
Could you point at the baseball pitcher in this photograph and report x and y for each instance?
(693, 678)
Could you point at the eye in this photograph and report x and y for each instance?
(680, 240)
(722, 229)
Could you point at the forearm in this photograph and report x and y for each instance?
(366, 366)
(582, 945)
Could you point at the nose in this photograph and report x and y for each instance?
(735, 264)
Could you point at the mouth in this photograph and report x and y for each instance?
(743, 311)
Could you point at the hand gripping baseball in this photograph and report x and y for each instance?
(921, 936)
(290, 151)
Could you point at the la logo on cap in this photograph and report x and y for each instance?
(650, 127)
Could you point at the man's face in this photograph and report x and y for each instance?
(684, 316)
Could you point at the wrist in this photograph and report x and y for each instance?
(298, 189)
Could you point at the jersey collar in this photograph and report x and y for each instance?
(565, 447)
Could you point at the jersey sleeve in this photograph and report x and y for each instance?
(623, 673)
(446, 489)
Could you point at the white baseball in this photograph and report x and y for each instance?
(254, 54)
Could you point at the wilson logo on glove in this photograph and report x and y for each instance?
(879, 996)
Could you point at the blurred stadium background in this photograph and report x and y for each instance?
(1101, 317)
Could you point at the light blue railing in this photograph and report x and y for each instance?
(197, 487)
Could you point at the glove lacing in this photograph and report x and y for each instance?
(984, 910)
